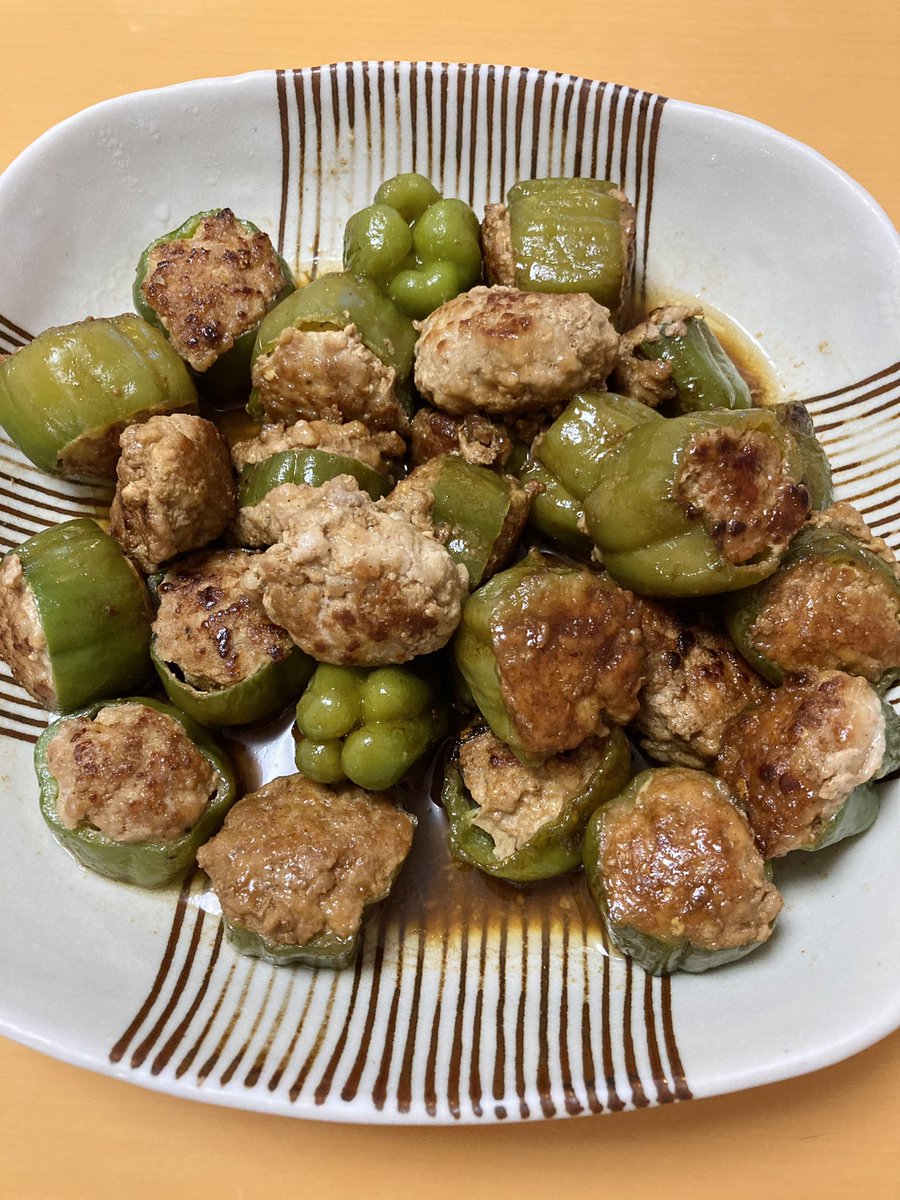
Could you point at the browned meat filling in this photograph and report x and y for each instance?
(516, 801)
(680, 862)
(175, 490)
(650, 380)
(793, 760)
(738, 485)
(355, 583)
(828, 614)
(353, 439)
(501, 351)
(23, 646)
(210, 288)
(296, 859)
(131, 772)
(696, 681)
(571, 661)
(327, 374)
(209, 628)
(475, 438)
(497, 247)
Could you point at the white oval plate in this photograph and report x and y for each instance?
(475, 1010)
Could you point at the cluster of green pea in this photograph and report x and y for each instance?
(421, 249)
(368, 725)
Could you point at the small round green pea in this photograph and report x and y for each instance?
(409, 194)
(376, 241)
(332, 703)
(379, 755)
(320, 761)
(393, 694)
(449, 230)
(419, 291)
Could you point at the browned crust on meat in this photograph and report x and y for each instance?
(175, 490)
(737, 483)
(209, 627)
(824, 613)
(474, 437)
(210, 288)
(297, 859)
(497, 247)
(695, 682)
(502, 351)
(679, 862)
(131, 772)
(570, 656)
(793, 759)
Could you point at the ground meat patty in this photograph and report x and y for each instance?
(353, 439)
(23, 646)
(296, 859)
(696, 681)
(679, 862)
(498, 350)
(175, 490)
(131, 772)
(207, 625)
(357, 584)
(793, 760)
(328, 374)
(210, 288)
(475, 438)
(570, 660)
(516, 801)
(738, 484)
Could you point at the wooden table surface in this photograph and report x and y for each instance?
(821, 70)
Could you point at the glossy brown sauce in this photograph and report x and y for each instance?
(433, 894)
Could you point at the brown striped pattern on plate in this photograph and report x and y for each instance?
(468, 1002)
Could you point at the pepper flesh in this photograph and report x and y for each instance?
(313, 467)
(66, 397)
(555, 848)
(94, 611)
(151, 864)
(702, 373)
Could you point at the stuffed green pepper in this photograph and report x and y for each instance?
(133, 788)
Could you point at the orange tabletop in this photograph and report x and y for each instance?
(823, 71)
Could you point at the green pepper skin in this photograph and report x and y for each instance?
(572, 235)
(313, 467)
(381, 719)
(66, 396)
(336, 301)
(743, 608)
(645, 539)
(584, 433)
(227, 382)
(556, 848)
(144, 864)
(794, 418)
(555, 513)
(656, 956)
(262, 695)
(326, 950)
(94, 609)
(421, 249)
(703, 374)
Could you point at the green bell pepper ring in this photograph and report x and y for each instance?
(657, 955)
(65, 397)
(834, 547)
(555, 848)
(94, 611)
(313, 467)
(368, 725)
(647, 539)
(151, 864)
(572, 235)
(703, 374)
(587, 429)
(227, 381)
(326, 950)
